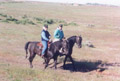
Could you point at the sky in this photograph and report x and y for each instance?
(109, 2)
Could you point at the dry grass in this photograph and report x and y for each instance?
(97, 24)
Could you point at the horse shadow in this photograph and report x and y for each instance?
(86, 66)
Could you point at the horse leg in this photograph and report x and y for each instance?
(55, 62)
(46, 62)
(72, 62)
(26, 55)
(65, 61)
(32, 55)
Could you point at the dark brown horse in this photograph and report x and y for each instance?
(71, 41)
(36, 48)
(33, 48)
(67, 49)
(54, 51)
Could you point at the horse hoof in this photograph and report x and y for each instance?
(44, 68)
(64, 67)
(31, 66)
(43, 62)
(55, 68)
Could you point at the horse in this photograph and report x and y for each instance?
(71, 41)
(55, 50)
(36, 48)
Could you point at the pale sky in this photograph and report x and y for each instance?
(111, 2)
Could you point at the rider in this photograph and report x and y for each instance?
(45, 36)
(58, 34)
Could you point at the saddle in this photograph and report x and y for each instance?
(41, 45)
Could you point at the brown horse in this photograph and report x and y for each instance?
(71, 41)
(36, 48)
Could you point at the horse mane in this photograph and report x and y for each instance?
(71, 37)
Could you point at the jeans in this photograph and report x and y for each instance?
(45, 46)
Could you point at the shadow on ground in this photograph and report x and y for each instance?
(86, 66)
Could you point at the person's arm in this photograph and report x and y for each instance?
(56, 34)
(44, 36)
(49, 35)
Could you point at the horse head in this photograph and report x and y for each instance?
(79, 41)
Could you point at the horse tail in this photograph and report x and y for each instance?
(26, 48)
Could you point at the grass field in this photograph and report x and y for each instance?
(99, 25)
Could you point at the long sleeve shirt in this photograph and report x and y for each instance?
(58, 34)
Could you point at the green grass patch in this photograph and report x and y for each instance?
(24, 20)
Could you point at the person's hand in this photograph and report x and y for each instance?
(49, 37)
(64, 38)
(50, 40)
